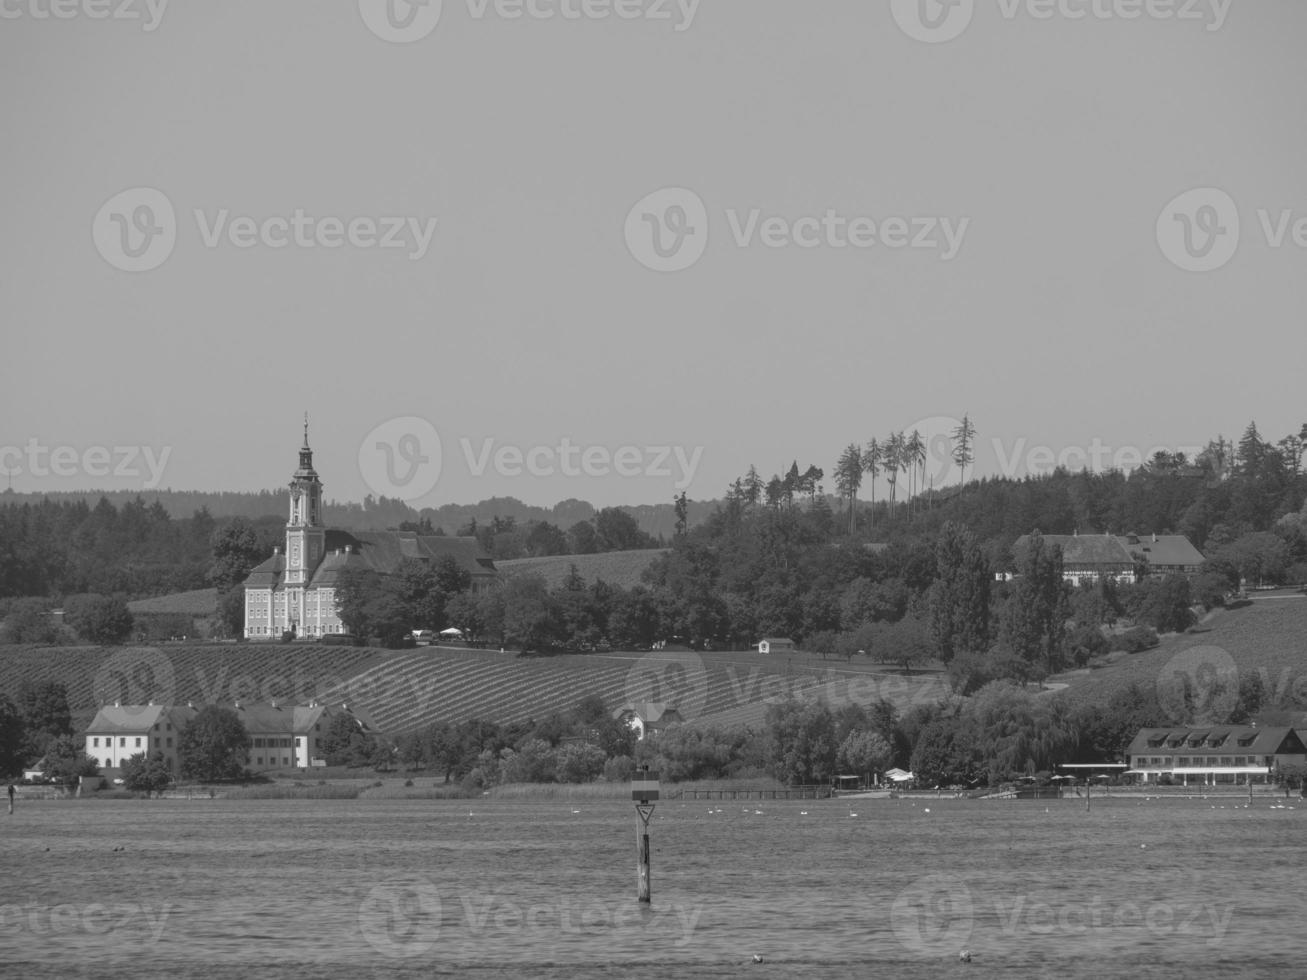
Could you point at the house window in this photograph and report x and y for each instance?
(138, 742)
(170, 743)
(122, 742)
(95, 743)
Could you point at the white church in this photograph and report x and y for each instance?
(295, 590)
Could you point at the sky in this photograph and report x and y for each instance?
(620, 249)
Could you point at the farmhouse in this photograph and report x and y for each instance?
(1216, 754)
(775, 644)
(1164, 554)
(647, 717)
(295, 591)
(1122, 558)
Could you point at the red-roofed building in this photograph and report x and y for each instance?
(295, 590)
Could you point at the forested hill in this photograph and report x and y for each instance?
(373, 514)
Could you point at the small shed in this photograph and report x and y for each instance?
(775, 644)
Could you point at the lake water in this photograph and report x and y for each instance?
(890, 888)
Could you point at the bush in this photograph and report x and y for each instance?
(618, 769)
(1085, 643)
(1136, 639)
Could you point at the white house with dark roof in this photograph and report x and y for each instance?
(282, 736)
(120, 731)
(295, 589)
(1121, 557)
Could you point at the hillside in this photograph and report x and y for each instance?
(197, 602)
(406, 690)
(620, 568)
(1267, 635)
(180, 672)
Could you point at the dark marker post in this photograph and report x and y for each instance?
(644, 791)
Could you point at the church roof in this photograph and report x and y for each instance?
(377, 551)
(267, 574)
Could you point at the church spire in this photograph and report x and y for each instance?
(306, 471)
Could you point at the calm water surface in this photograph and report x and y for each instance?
(892, 888)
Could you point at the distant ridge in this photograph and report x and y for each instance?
(374, 514)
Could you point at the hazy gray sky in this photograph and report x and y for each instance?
(982, 223)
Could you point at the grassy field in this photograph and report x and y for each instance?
(1267, 635)
(620, 568)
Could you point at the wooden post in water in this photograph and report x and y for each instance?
(1089, 782)
(644, 791)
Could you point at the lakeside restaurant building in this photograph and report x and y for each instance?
(1219, 754)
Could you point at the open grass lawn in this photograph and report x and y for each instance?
(1267, 635)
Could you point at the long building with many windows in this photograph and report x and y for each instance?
(1215, 754)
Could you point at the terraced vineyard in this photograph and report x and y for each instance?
(407, 690)
(182, 672)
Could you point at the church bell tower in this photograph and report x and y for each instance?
(305, 534)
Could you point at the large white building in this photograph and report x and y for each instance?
(295, 590)
(282, 736)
